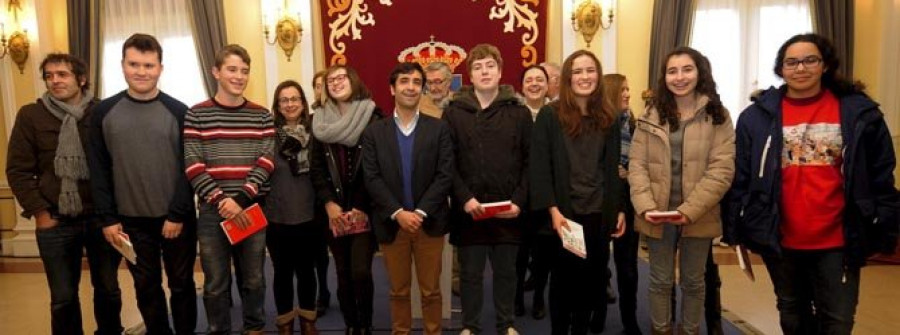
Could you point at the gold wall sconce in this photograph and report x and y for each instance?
(16, 46)
(287, 29)
(588, 18)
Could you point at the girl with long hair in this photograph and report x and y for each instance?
(680, 166)
(618, 94)
(574, 177)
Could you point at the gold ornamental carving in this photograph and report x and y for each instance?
(519, 15)
(352, 15)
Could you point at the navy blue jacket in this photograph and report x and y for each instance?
(752, 214)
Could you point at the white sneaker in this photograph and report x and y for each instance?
(511, 331)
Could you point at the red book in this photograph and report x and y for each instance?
(492, 208)
(257, 222)
(667, 215)
(355, 227)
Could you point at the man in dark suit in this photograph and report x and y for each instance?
(408, 164)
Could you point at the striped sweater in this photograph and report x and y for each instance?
(228, 151)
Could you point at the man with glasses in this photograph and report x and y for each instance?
(47, 171)
(438, 78)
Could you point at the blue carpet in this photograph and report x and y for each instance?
(332, 323)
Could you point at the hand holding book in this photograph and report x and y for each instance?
(511, 213)
(255, 221)
(229, 209)
(352, 222)
(660, 217)
(573, 238)
(125, 247)
(501, 209)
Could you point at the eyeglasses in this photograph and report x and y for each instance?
(285, 101)
(336, 79)
(434, 82)
(808, 62)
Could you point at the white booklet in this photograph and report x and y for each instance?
(573, 239)
(126, 248)
(743, 257)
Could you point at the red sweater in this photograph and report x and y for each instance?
(812, 194)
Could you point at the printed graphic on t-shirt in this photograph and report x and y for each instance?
(817, 144)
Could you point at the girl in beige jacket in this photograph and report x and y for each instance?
(681, 162)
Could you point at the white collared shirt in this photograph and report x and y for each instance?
(412, 125)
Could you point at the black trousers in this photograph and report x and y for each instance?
(178, 256)
(576, 283)
(322, 260)
(353, 264)
(536, 253)
(293, 250)
(625, 257)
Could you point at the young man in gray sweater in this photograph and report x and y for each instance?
(141, 190)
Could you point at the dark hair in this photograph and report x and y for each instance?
(568, 111)
(535, 67)
(665, 101)
(613, 84)
(407, 68)
(231, 49)
(276, 108)
(831, 78)
(78, 67)
(483, 51)
(143, 43)
(358, 89)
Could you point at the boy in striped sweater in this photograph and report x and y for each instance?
(228, 150)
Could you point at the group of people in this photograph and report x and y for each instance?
(565, 151)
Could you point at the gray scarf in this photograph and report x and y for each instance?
(70, 162)
(329, 126)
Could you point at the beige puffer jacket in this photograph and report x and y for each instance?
(708, 168)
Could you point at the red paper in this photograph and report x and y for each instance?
(355, 227)
(668, 215)
(491, 209)
(257, 222)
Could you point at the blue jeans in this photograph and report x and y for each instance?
(692, 253)
(815, 293)
(471, 285)
(61, 250)
(215, 258)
